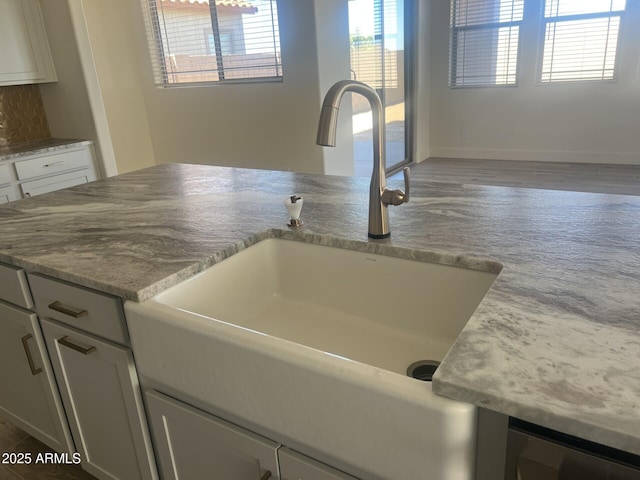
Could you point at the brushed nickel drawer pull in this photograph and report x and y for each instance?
(68, 343)
(54, 164)
(266, 476)
(27, 351)
(72, 312)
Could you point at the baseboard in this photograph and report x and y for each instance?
(616, 158)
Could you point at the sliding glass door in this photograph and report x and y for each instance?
(378, 36)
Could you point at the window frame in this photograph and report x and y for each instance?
(230, 45)
(158, 56)
(543, 21)
(454, 32)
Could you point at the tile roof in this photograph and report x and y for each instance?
(219, 3)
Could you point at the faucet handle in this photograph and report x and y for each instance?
(397, 197)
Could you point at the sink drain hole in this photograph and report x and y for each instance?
(423, 369)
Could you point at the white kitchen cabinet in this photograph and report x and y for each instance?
(25, 56)
(53, 163)
(29, 396)
(46, 172)
(96, 377)
(295, 466)
(100, 392)
(191, 444)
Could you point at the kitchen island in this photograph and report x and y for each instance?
(555, 342)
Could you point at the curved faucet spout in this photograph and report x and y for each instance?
(327, 126)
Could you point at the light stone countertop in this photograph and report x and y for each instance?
(555, 342)
(13, 152)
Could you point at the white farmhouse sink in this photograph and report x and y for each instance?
(309, 345)
(385, 311)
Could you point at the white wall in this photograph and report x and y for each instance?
(105, 33)
(66, 101)
(274, 125)
(579, 121)
(256, 125)
(332, 42)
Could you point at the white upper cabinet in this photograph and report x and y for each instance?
(24, 56)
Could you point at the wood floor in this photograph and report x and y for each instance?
(618, 179)
(14, 440)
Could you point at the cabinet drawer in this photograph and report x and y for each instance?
(5, 174)
(83, 308)
(54, 163)
(57, 182)
(14, 287)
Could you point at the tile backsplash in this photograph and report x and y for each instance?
(22, 116)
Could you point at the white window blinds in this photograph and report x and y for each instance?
(484, 42)
(195, 41)
(580, 39)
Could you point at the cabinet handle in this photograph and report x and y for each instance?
(54, 164)
(27, 351)
(75, 313)
(266, 476)
(68, 343)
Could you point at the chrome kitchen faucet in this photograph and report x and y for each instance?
(379, 195)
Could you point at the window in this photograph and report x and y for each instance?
(380, 34)
(580, 39)
(201, 41)
(484, 42)
(227, 43)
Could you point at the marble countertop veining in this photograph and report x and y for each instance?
(556, 341)
(12, 152)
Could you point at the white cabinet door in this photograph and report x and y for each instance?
(193, 445)
(25, 55)
(28, 392)
(295, 466)
(101, 395)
